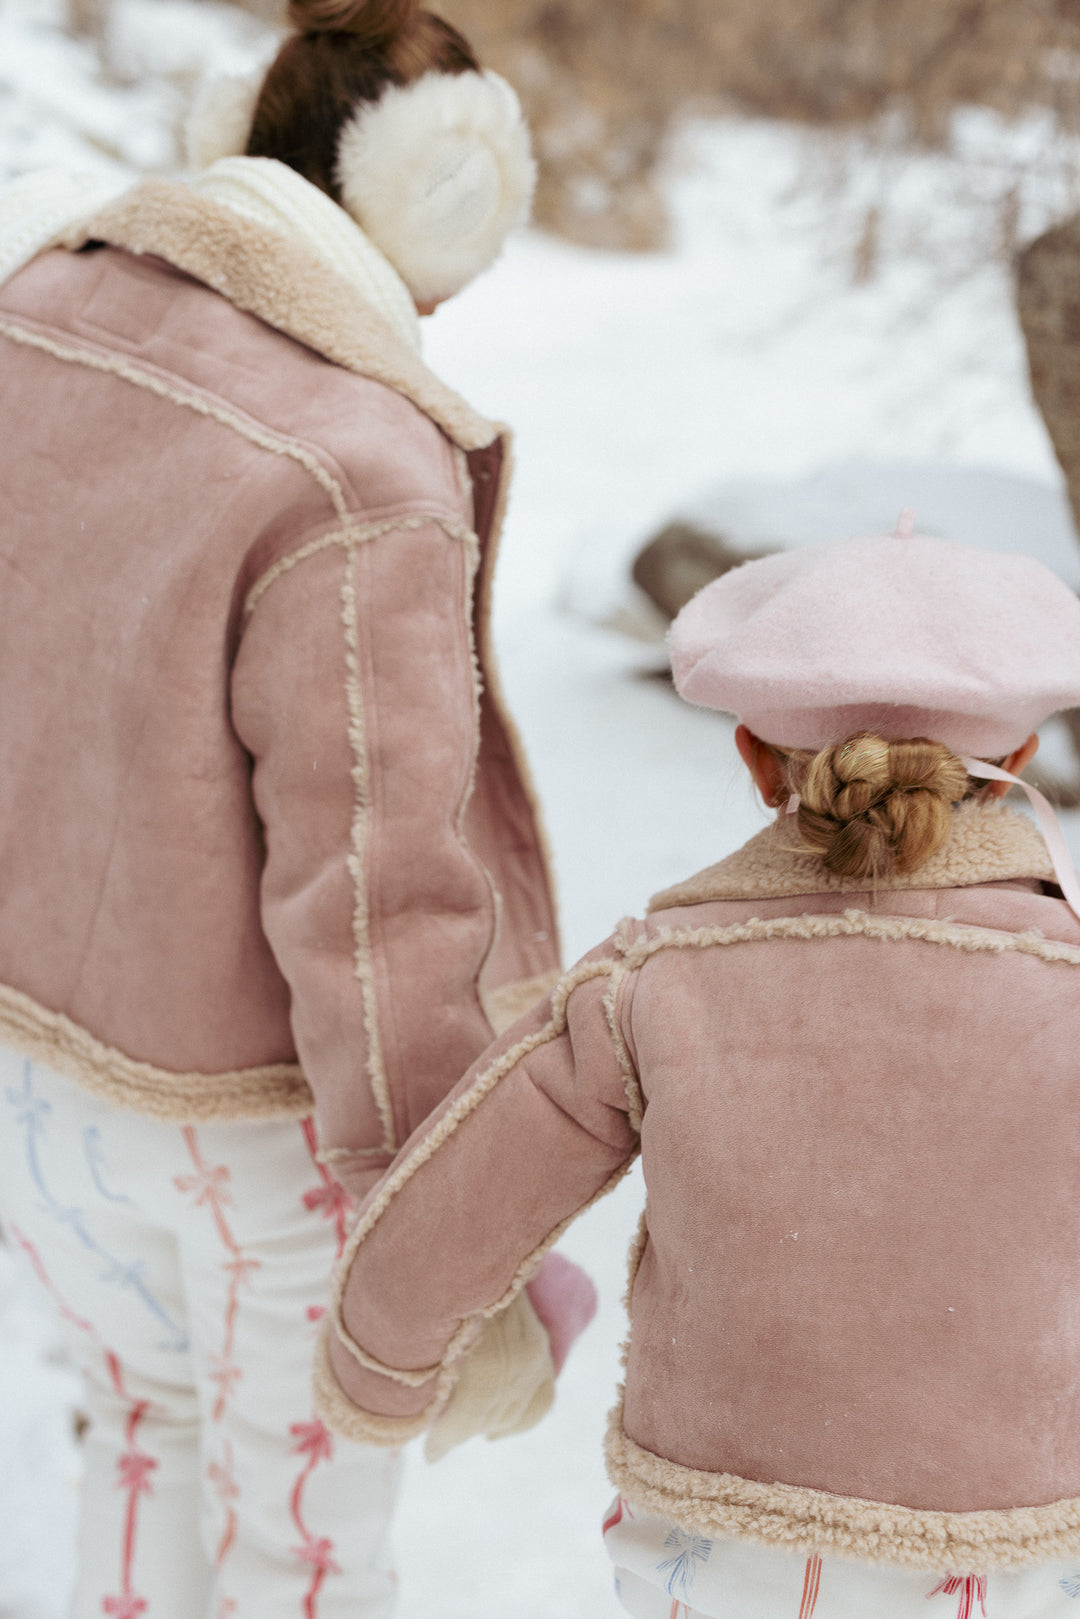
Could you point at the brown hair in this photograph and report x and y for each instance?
(344, 52)
(869, 807)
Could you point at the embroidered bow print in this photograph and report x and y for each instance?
(971, 1588)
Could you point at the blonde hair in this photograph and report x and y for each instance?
(869, 808)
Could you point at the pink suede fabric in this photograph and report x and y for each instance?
(203, 836)
(902, 635)
(858, 1271)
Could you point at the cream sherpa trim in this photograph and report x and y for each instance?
(360, 534)
(635, 1101)
(335, 1408)
(859, 924)
(812, 1521)
(503, 1006)
(274, 1091)
(438, 172)
(363, 965)
(271, 194)
(38, 210)
(988, 843)
(285, 284)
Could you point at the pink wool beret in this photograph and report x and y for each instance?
(903, 635)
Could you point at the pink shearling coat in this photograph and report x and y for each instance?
(267, 837)
(855, 1293)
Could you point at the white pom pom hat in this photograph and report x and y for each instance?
(437, 173)
(905, 636)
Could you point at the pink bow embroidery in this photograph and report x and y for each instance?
(969, 1586)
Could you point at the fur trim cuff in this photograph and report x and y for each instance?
(335, 1408)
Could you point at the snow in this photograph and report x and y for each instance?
(743, 376)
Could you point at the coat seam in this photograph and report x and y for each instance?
(497, 697)
(854, 924)
(631, 1084)
(342, 1155)
(363, 965)
(350, 536)
(472, 570)
(115, 365)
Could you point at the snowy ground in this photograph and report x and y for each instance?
(745, 357)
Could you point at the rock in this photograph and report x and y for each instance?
(681, 560)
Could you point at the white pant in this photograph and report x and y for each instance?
(190, 1265)
(664, 1572)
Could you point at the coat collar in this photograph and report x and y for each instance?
(284, 282)
(270, 193)
(988, 843)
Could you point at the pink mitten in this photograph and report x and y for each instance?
(565, 1300)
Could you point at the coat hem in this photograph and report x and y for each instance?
(816, 1522)
(271, 1091)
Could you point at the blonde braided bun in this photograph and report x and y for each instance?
(869, 807)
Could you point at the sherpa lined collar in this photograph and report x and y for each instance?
(270, 193)
(989, 843)
(284, 283)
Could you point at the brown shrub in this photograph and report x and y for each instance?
(604, 81)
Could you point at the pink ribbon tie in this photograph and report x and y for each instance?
(1049, 826)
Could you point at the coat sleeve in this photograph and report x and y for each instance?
(354, 692)
(537, 1130)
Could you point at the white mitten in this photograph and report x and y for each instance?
(507, 1382)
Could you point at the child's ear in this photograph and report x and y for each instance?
(762, 764)
(1014, 764)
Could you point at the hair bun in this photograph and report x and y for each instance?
(377, 23)
(870, 807)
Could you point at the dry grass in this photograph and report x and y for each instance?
(604, 82)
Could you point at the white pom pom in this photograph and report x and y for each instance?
(438, 173)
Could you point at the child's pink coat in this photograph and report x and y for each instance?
(856, 1291)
